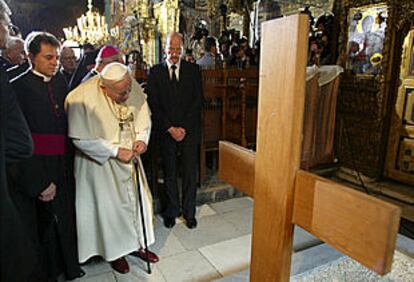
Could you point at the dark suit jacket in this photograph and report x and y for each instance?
(18, 257)
(182, 109)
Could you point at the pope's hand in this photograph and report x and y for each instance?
(139, 147)
(125, 155)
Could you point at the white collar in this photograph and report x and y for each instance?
(45, 78)
(169, 64)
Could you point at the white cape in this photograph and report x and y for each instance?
(107, 207)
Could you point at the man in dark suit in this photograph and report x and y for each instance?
(175, 98)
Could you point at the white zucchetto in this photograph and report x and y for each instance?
(114, 72)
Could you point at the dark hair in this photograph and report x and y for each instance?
(88, 46)
(210, 43)
(34, 45)
(234, 50)
(243, 40)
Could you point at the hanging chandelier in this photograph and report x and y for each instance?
(91, 28)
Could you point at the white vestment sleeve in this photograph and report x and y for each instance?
(144, 124)
(98, 149)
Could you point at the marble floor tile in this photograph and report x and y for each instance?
(241, 219)
(201, 211)
(243, 276)
(405, 245)
(138, 272)
(96, 266)
(313, 257)
(301, 262)
(303, 239)
(348, 270)
(166, 243)
(232, 204)
(189, 266)
(104, 277)
(210, 230)
(231, 256)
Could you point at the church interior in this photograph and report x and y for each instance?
(354, 129)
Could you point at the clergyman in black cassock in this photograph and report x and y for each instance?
(175, 98)
(50, 216)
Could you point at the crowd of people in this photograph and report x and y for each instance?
(321, 51)
(228, 51)
(73, 185)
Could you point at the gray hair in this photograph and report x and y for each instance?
(4, 10)
(13, 42)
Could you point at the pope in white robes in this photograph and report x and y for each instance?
(109, 123)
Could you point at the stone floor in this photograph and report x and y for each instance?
(218, 249)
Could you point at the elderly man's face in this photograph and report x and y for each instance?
(46, 61)
(16, 54)
(68, 59)
(174, 49)
(4, 30)
(119, 91)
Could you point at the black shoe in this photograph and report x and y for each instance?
(191, 223)
(75, 276)
(169, 222)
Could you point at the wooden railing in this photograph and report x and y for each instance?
(230, 109)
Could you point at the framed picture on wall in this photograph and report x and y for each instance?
(366, 35)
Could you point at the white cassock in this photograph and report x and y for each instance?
(107, 208)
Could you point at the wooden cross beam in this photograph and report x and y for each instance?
(356, 224)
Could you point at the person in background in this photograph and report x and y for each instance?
(210, 59)
(188, 57)
(18, 260)
(107, 54)
(175, 97)
(68, 63)
(85, 65)
(13, 54)
(87, 48)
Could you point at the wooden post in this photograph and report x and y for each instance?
(281, 103)
(358, 225)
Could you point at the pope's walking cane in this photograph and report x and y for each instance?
(141, 209)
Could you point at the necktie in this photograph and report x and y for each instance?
(174, 75)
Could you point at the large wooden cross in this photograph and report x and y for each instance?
(356, 224)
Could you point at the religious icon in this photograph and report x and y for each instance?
(366, 39)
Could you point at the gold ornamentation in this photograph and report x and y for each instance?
(91, 28)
